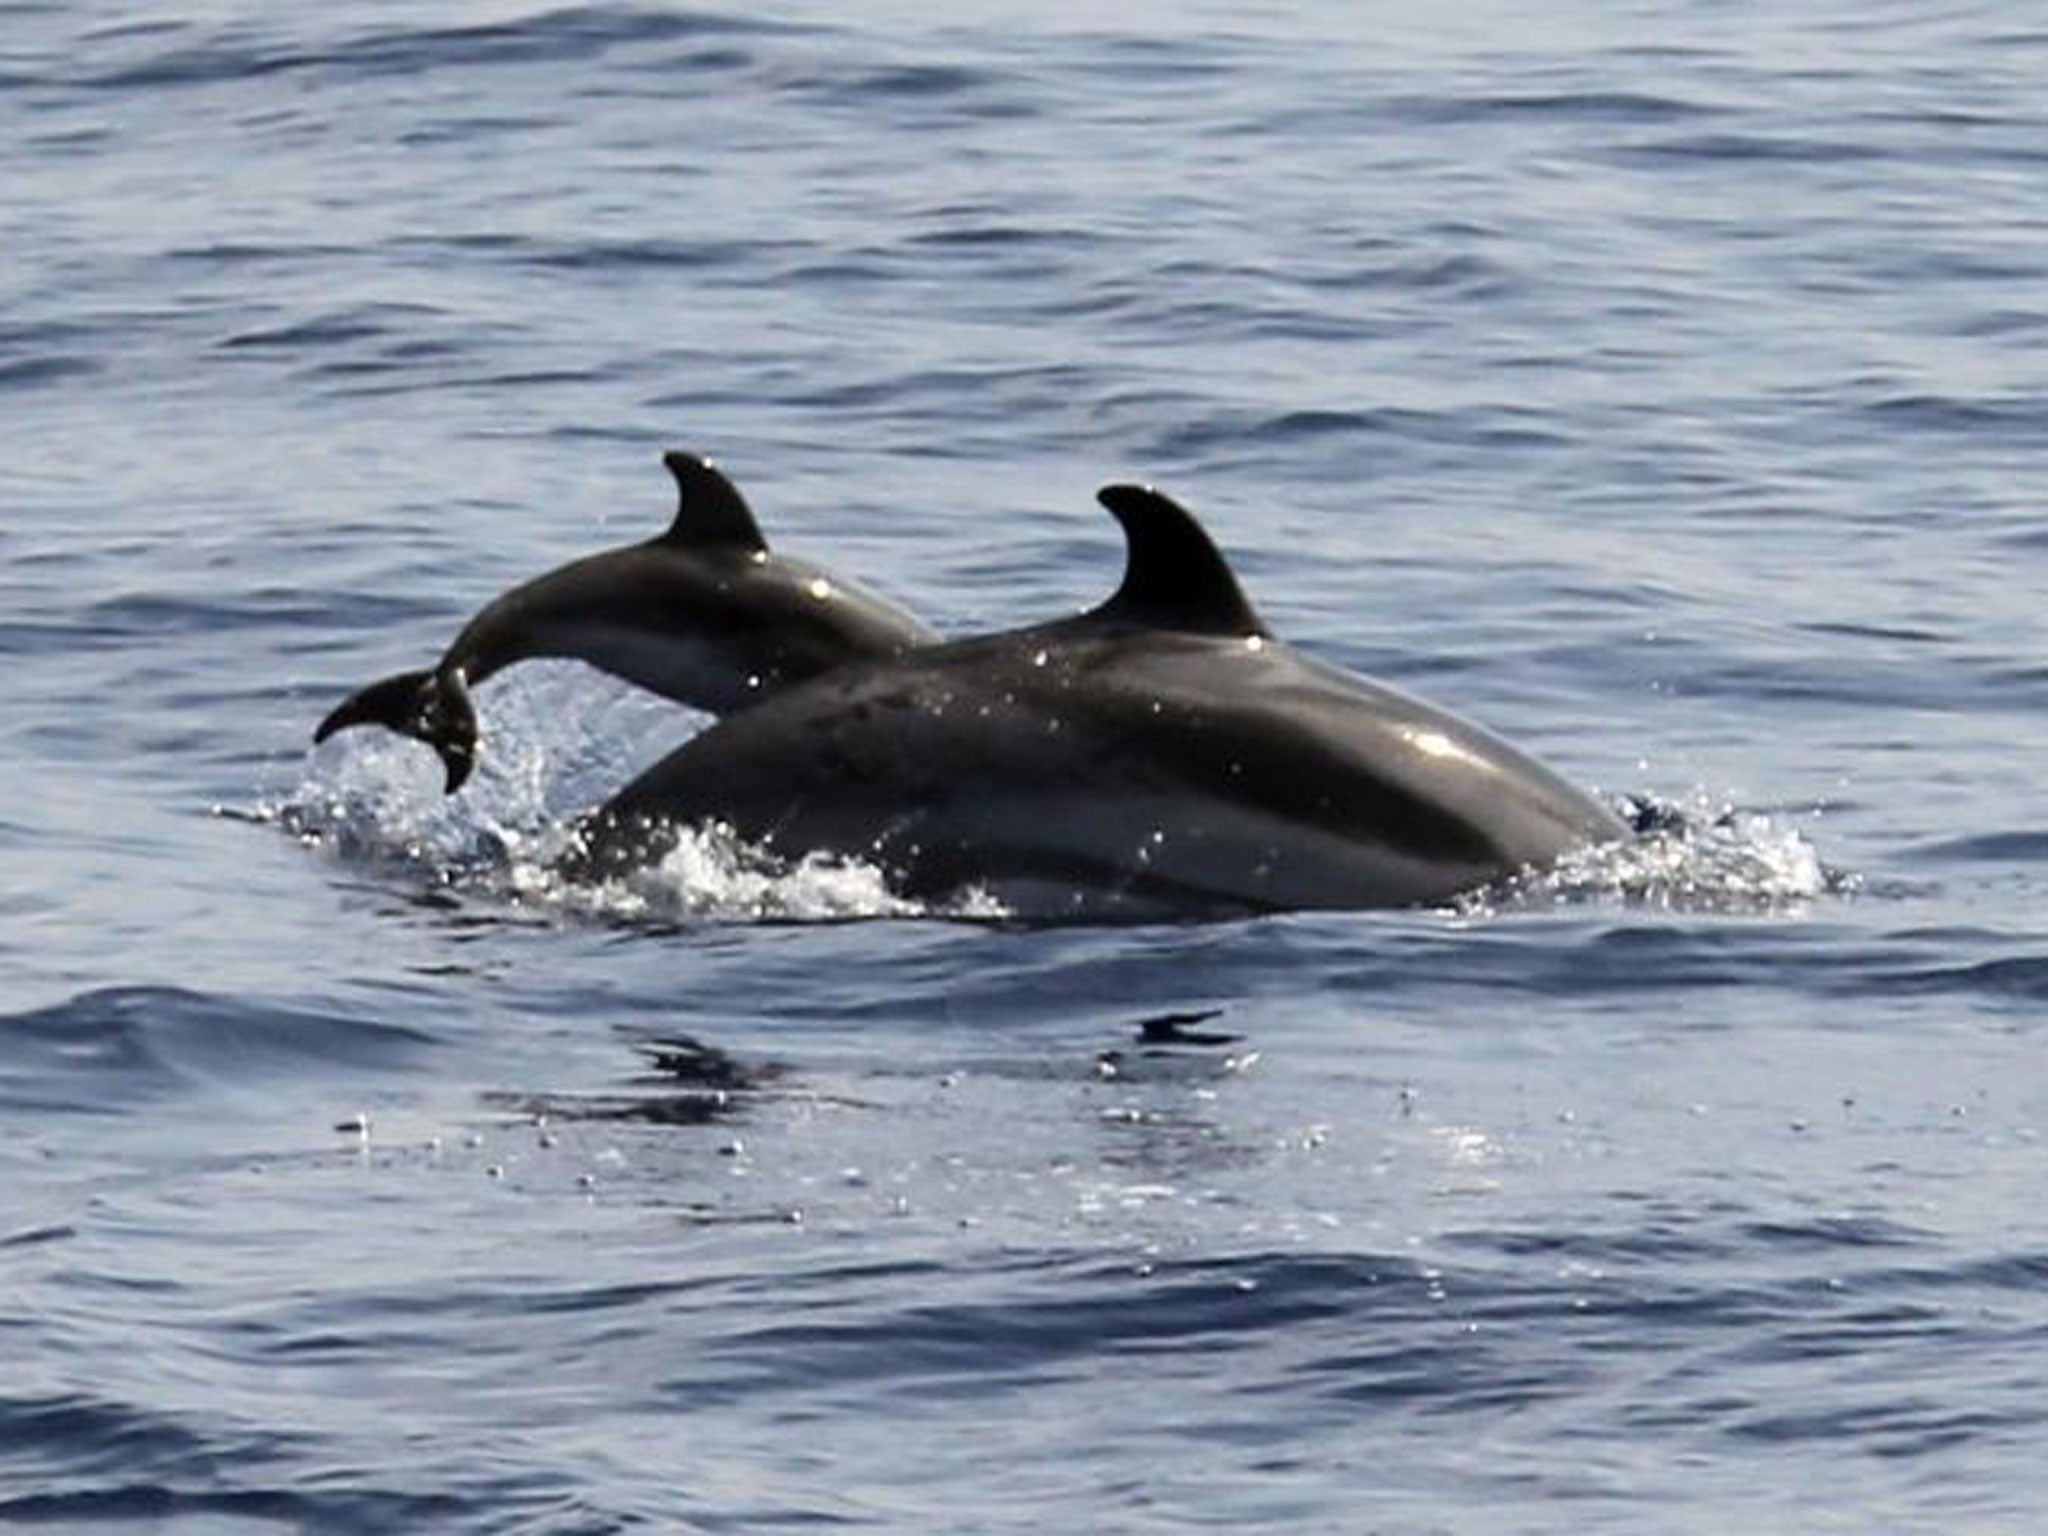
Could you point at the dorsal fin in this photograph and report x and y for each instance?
(1174, 577)
(709, 509)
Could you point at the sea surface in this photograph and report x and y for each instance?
(1663, 384)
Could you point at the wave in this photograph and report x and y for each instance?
(551, 36)
(100, 1051)
(99, 1463)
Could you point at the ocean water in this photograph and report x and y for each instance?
(1664, 385)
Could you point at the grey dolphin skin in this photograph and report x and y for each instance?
(1161, 753)
(703, 614)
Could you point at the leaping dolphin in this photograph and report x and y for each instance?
(703, 614)
(1163, 752)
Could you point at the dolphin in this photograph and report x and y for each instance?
(1162, 753)
(702, 613)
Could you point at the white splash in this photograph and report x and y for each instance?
(555, 744)
(711, 875)
(1698, 855)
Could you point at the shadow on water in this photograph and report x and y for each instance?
(685, 1082)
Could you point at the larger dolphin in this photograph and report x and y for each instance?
(1160, 753)
(703, 613)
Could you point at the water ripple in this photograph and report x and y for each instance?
(102, 1051)
(554, 36)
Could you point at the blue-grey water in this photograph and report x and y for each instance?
(1663, 384)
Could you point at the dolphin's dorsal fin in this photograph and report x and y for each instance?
(710, 512)
(1174, 577)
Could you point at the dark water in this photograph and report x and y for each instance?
(1665, 385)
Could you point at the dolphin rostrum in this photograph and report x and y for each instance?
(703, 613)
(1163, 752)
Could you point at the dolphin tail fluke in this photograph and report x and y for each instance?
(433, 707)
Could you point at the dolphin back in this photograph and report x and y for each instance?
(432, 706)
